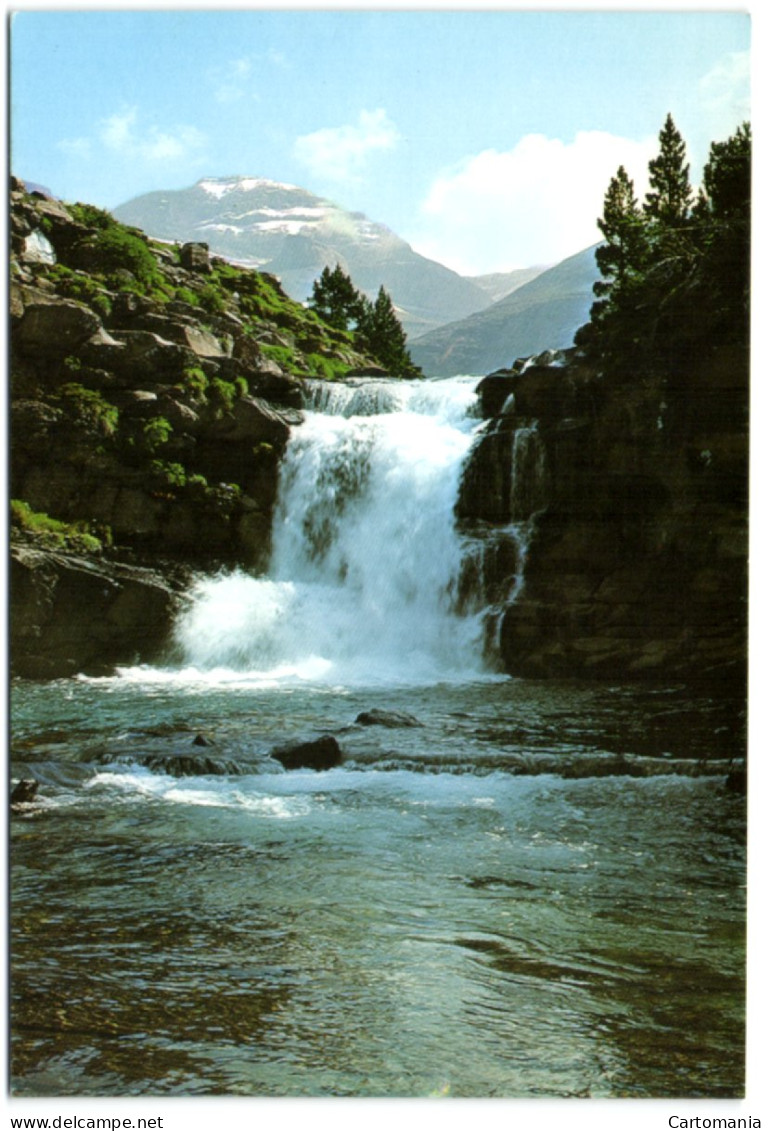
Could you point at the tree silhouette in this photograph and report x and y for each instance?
(670, 200)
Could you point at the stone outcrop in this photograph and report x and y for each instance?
(72, 614)
(626, 507)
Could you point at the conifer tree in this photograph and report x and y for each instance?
(623, 254)
(727, 175)
(670, 200)
(335, 298)
(384, 337)
(375, 324)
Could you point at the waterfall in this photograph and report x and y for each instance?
(363, 584)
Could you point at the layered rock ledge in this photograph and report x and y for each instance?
(635, 497)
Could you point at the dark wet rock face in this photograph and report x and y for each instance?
(72, 614)
(629, 500)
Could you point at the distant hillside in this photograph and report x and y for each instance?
(502, 283)
(293, 234)
(542, 314)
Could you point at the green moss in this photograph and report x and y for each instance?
(195, 382)
(87, 407)
(222, 394)
(57, 535)
(211, 299)
(185, 294)
(282, 355)
(84, 288)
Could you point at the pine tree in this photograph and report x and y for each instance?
(727, 175)
(384, 337)
(377, 328)
(623, 254)
(676, 273)
(670, 200)
(336, 299)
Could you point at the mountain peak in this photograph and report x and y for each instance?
(289, 231)
(222, 186)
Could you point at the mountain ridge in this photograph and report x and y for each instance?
(544, 313)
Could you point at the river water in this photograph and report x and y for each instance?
(508, 888)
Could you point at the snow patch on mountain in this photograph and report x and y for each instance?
(221, 186)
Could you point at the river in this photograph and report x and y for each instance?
(508, 888)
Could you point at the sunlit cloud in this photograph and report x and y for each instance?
(239, 79)
(725, 93)
(231, 82)
(79, 147)
(536, 203)
(340, 153)
(120, 133)
(121, 136)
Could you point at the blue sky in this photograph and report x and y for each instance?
(485, 138)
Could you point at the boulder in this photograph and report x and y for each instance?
(195, 257)
(255, 420)
(377, 717)
(494, 390)
(38, 249)
(147, 355)
(54, 327)
(24, 792)
(198, 340)
(71, 614)
(317, 754)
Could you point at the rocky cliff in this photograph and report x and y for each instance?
(624, 504)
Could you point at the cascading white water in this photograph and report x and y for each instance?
(366, 558)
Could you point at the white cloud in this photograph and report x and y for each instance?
(120, 134)
(239, 78)
(725, 94)
(339, 153)
(79, 147)
(536, 203)
(230, 82)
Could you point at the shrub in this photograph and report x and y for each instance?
(156, 432)
(82, 287)
(168, 474)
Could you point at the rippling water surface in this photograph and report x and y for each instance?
(536, 892)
